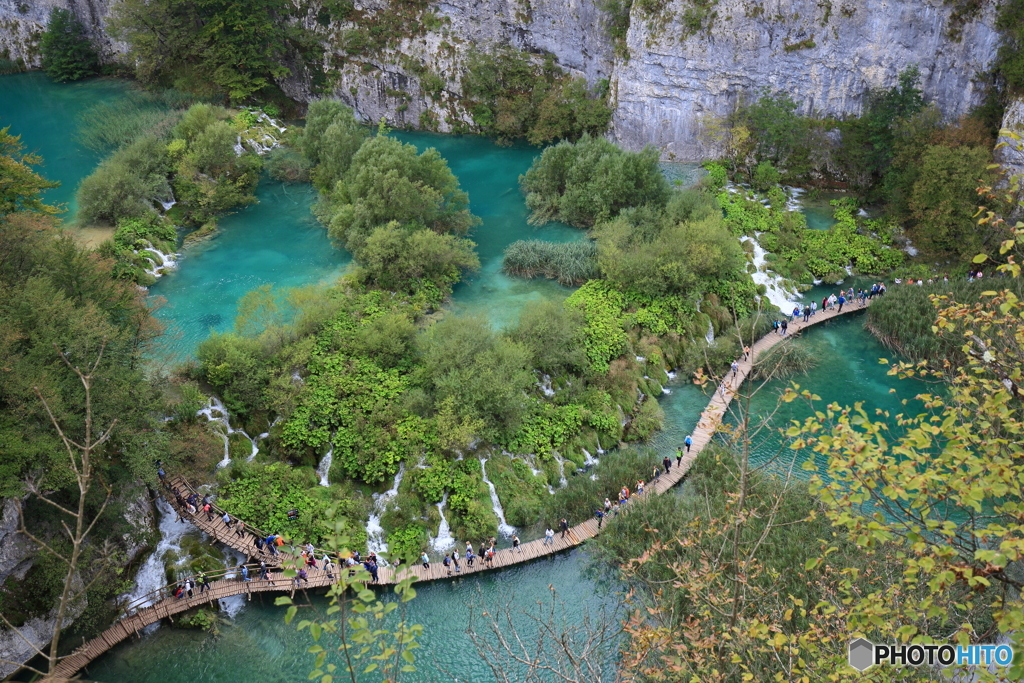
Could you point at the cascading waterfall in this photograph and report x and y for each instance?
(233, 604)
(562, 482)
(159, 259)
(504, 528)
(374, 531)
(444, 539)
(256, 441)
(152, 574)
(323, 470)
(709, 336)
(222, 418)
(775, 289)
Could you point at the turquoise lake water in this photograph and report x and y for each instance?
(278, 241)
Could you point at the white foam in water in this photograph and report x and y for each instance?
(588, 459)
(562, 483)
(775, 292)
(709, 336)
(444, 539)
(224, 420)
(233, 604)
(323, 470)
(161, 261)
(152, 574)
(374, 531)
(545, 386)
(504, 528)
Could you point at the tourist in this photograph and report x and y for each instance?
(310, 561)
(688, 441)
(824, 304)
(515, 543)
(447, 562)
(549, 536)
(265, 572)
(239, 528)
(849, 295)
(208, 509)
(489, 557)
(259, 545)
(188, 588)
(607, 505)
(600, 518)
(455, 561)
(735, 368)
(679, 455)
(814, 308)
(300, 576)
(945, 279)
(309, 548)
(227, 520)
(796, 312)
(746, 353)
(785, 327)
(776, 326)
(483, 551)
(470, 556)
(656, 473)
(667, 462)
(243, 573)
(204, 582)
(807, 312)
(615, 510)
(425, 560)
(841, 300)
(640, 487)
(564, 524)
(328, 566)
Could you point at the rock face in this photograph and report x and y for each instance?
(689, 60)
(822, 53)
(1011, 154)
(22, 22)
(15, 549)
(38, 631)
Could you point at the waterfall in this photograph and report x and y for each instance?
(159, 259)
(710, 334)
(562, 483)
(588, 459)
(444, 539)
(256, 441)
(233, 604)
(504, 528)
(374, 531)
(222, 418)
(600, 451)
(152, 574)
(545, 385)
(775, 289)
(323, 470)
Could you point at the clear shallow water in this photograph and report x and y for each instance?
(45, 115)
(276, 241)
(490, 174)
(258, 646)
(848, 371)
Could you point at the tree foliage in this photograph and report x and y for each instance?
(510, 96)
(591, 180)
(68, 54)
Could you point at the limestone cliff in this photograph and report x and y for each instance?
(687, 59)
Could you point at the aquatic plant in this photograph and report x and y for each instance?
(571, 263)
(784, 361)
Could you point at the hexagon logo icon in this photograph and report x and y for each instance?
(862, 654)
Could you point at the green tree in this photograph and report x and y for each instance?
(591, 180)
(126, 184)
(330, 139)
(20, 186)
(397, 259)
(388, 181)
(68, 55)
(942, 199)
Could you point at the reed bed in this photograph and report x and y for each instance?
(570, 263)
(108, 125)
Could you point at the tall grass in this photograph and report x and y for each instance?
(571, 263)
(108, 125)
(902, 319)
(10, 66)
(785, 360)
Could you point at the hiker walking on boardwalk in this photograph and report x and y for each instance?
(607, 505)
(807, 312)
(227, 520)
(735, 368)
(796, 312)
(600, 518)
(667, 462)
(785, 327)
(243, 573)
(204, 582)
(841, 300)
(328, 566)
(515, 543)
(425, 560)
(265, 572)
(447, 562)
(455, 561)
(549, 536)
(688, 441)
(814, 308)
(564, 524)
(679, 455)
(301, 576)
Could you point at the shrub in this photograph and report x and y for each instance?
(67, 53)
(287, 165)
(126, 184)
(331, 138)
(591, 180)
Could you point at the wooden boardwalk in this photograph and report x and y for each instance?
(136, 619)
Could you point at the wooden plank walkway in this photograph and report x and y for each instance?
(137, 619)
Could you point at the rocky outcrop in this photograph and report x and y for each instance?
(37, 632)
(15, 549)
(1009, 152)
(22, 23)
(690, 60)
(823, 53)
